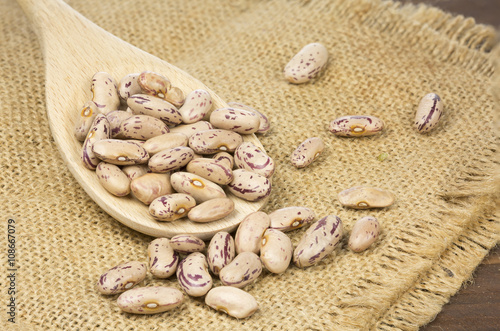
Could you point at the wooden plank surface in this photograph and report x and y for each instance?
(476, 307)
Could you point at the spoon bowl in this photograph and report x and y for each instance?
(74, 49)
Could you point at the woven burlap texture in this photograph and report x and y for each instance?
(384, 57)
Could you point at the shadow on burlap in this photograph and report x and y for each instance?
(384, 58)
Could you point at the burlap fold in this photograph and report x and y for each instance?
(384, 58)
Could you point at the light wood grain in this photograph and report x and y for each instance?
(74, 49)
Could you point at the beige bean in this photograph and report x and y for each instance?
(162, 258)
(100, 130)
(214, 141)
(356, 126)
(250, 157)
(291, 218)
(276, 251)
(249, 234)
(211, 169)
(165, 141)
(171, 206)
(306, 64)
(364, 197)
(245, 268)
(150, 186)
(104, 92)
(113, 179)
(85, 119)
(129, 86)
(199, 188)
(170, 159)
(198, 103)
(142, 127)
(122, 277)
(186, 243)
(429, 112)
(153, 83)
(249, 186)
(211, 210)
(193, 275)
(191, 129)
(115, 118)
(264, 125)
(236, 120)
(220, 251)
(175, 96)
(232, 301)
(120, 152)
(143, 104)
(307, 152)
(318, 241)
(364, 233)
(150, 300)
(224, 158)
(135, 171)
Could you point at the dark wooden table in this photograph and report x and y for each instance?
(476, 307)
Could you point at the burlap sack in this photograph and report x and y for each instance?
(384, 58)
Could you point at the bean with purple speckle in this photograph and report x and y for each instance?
(162, 258)
(122, 277)
(364, 233)
(245, 268)
(193, 275)
(150, 300)
(220, 251)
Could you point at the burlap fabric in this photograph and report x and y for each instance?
(384, 58)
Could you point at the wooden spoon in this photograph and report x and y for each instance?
(74, 49)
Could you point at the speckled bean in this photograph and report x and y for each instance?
(220, 251)
(153, 83)
(135, 171)
(429, 112)
(171, 206)
(306, 64)
(199, 188)
(142, 127)
(307, 152)
(264, 125)
(276, 251)
(250, 157)
(191, 129)
(115, 118)
(193, 275)
(356, 126)
(122, 277)
(249, 186)
(85, 119)
(104, 92)
(318, 241)
(211, 169)
(129, 86)
(113, 179)
(364, 197)
(364, 233)
(211, 210)
(236, 120)
(150, 300)
(165, 141)
(250, 232)
(186, 243)
(120, 152)
(232, 301)
(100, 130)
(245, 268)
(214, 141)
(143, 104)
(291, 218)
(224, 158)
(175, 96)
(150, 186)
(162, 258)
(170, 159)
(196, 106)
